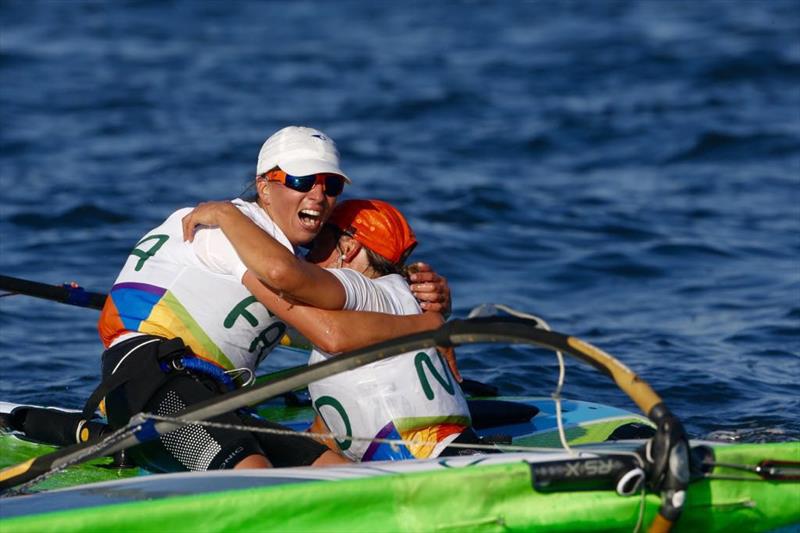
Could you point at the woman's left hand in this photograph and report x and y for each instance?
(430, 289)
(205, 214)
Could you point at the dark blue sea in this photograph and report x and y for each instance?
(628, 170)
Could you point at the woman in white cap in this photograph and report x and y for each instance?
(355, 263)
(181, 325)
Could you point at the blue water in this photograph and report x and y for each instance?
(628, 170)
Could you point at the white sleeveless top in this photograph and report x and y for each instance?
(173, 288)
(411, 396)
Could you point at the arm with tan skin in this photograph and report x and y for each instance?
(266, 258)
(271, 262)
(333, 331)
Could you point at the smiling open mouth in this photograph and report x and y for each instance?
(310, 218)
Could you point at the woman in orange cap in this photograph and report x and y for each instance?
(355, 263)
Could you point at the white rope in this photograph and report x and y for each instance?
(491, 309)
(642, 499)
(237, 373)
(487, 309)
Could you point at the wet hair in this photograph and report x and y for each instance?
(384, 267)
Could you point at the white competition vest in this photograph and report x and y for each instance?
(412, 396)
(164, 289)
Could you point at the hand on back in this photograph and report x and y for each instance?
(205, 214)
(430, 289)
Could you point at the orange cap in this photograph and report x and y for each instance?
(377, 225)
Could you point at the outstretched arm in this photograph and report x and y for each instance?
(340, 331)
(268, 259)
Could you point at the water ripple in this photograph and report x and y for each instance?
(626, 169)
(715, 145)
(78, 217)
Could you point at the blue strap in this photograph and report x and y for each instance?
(147, 431)
(209, 369)
(77, 296)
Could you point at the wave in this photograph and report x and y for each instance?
(616, 264)
(761, 334)
(78, 217)
(751, 67)
(688, 250)
(714, 145)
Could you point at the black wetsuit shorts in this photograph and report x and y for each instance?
(195, 447)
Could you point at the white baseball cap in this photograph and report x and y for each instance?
(300, 151)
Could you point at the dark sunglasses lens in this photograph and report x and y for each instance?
(300, 183)
(334, 185)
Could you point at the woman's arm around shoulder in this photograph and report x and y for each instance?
(340, 331)
(266, 258)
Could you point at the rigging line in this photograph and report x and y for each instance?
(766, 469)
(133, 427)
(557, 398)
(739, 478)
(237, 373)
(562, 372)
(542, 324)
(116, 436)
(642, 499)
(337, 436)
(583, 452)
(755, 469)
